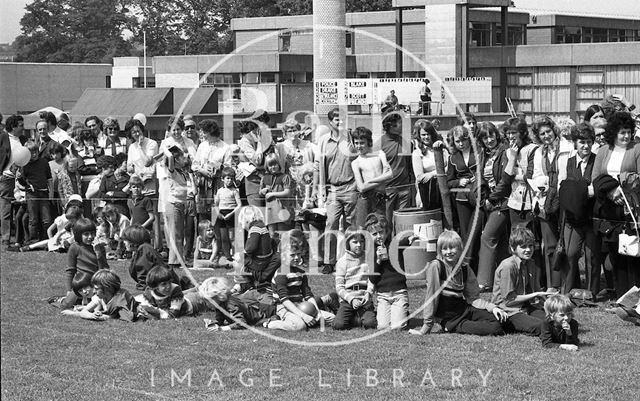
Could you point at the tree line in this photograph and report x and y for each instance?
(95, 31)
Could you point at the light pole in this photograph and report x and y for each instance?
(144, 56)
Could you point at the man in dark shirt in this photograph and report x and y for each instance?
(38, 184)
(400, 190)
(47, 145)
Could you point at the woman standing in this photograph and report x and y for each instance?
(424, 165)
(254, 144)
(461, 173)
(140, 161)
(546, 162)
(616, 170)
(494, 238)
(212, 155)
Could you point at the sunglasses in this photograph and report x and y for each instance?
(190, 127)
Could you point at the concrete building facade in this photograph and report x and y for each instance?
(542, 68)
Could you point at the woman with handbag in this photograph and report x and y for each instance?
(548, 160)
(495, 235)
(212, 155)
(424, 165)
(615, 180)
(461, 175)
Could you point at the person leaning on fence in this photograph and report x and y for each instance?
(458, 307)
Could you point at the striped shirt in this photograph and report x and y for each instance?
(293, 286)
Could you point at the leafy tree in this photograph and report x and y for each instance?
(76, 31)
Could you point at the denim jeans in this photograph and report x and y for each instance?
(38, 206)
(398, 200)
(368, 202)
(393, 309)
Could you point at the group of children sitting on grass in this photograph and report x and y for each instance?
(271, 288)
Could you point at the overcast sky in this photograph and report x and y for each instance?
(13, 10)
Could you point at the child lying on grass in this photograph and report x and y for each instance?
(559, 329)
(109, 302)
(226, 311)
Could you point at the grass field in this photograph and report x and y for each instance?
(52, 357)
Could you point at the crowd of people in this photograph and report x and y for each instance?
(534, 191)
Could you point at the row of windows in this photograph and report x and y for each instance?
(288, 77)
(576, 34)
(490, 34)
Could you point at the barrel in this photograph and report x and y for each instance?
(427, 224)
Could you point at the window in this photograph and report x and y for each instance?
(251, 78)
(226, 78)
(568, 34)
(285, 42)
(480, 34)
(266, 77)
(516, 35)
(594, 35)
(139, 83)
(107, 83)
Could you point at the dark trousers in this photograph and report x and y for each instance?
(347, 317)
(430, 195)
(466, 214)
(7, 185)
(575, 240)
(526, 323)
(189, 226)
(478, 322)
(39, 209)
(22, 223)
(549, 230)
(494, 246)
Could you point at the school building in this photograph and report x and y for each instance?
(548, 64)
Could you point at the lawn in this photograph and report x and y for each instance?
(49, 356)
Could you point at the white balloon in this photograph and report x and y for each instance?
(141, 117)
(20, 155)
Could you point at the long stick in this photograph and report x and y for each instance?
(444, 188)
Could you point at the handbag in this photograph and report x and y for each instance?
(629, 244)
(93, 189)
(560, 258)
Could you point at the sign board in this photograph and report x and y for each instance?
(372, 91)
(343, 91)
